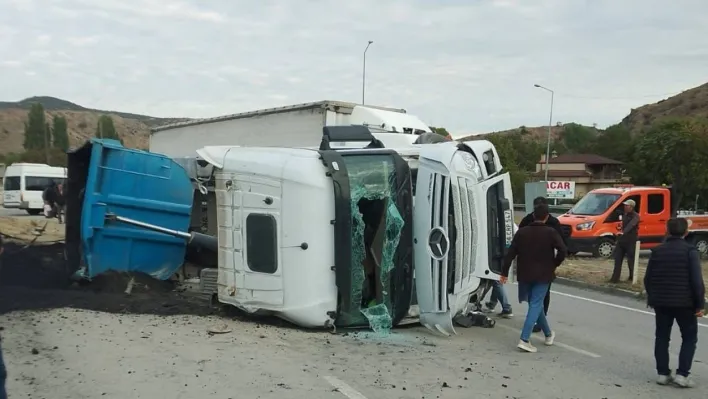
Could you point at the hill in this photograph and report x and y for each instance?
(134, 129)
(690, 103)
(539, 133)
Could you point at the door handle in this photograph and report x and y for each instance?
(662, 220)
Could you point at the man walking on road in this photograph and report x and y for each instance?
(675, 289)
(538, 250)
(551, 222)
(626, 241)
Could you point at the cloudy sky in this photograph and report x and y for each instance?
(468, 65)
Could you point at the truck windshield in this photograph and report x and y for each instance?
(376, 231)
(594, 204)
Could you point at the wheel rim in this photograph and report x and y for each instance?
(702, 246)
(605, 249)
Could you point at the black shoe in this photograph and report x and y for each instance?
(536, 329)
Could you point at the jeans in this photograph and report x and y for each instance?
(3, 377)
(499, 295)
(623, 250)
(536, 294)
(547, 300)
(688, 324)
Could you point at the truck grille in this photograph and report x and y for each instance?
(439, 268)
(452, 209)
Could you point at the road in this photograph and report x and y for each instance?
(18, 213)
(604, 350)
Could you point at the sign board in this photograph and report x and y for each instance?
(560, 189)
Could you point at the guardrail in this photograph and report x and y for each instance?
(551, 208)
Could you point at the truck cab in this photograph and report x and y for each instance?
(593, 223)
(337, 234)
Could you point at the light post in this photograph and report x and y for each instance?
(550, 123)
(363, 74)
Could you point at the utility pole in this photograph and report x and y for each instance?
(100, 127)
(550, 124)
(363, 75)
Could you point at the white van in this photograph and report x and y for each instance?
(24, 183)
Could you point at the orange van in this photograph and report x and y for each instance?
(593, 223)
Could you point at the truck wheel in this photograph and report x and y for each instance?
(701, 243)
(34, 212)
(604, 248)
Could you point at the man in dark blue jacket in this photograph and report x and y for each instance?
(552, 221)
(675, 289)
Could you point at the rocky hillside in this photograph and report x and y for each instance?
(133, 129)
(690, 103)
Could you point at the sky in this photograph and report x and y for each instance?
(467, 65)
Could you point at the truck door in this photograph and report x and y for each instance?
(260, 212)
(652, 228)
(445, 239)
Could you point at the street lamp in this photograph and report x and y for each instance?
(550, 123)
(363, 74)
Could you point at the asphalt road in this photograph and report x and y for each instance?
(18, 213)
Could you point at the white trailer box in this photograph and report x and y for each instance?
(292, 126)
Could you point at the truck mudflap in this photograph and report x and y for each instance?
(104, 178)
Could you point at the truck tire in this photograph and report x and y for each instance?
(701, 243)
(604, 248)
(34, 212)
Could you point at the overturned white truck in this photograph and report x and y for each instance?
(321, 236)
(329, 237)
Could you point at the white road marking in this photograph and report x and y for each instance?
(556, 343)
(344, 388)
(613, 305)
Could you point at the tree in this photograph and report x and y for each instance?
(35, 128)
(60, 133)
(439, 130)
(577, 138)
(673, 151)
(106, 129)
(615, 142)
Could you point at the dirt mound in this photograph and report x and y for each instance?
(35, 278)
(115, 283)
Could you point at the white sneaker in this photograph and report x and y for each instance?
(664, 379)
(683, 382)
(551, 339)
(526, 347)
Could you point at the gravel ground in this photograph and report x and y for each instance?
(62, 340)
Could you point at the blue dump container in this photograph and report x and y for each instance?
(105, 178)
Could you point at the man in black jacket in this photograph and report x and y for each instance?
(675, 289)
(538, 250)
(552, 221)
(626, 241)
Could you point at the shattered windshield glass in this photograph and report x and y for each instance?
(376, 231)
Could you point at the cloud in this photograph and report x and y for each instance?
(83, 41)
(467, 65)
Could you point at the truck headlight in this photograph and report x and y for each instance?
(584, 226)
